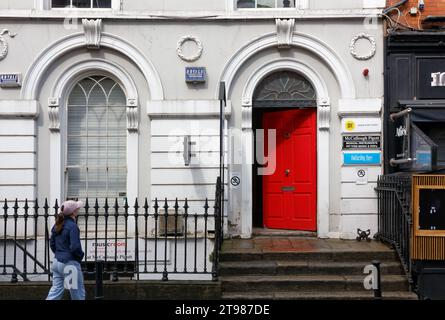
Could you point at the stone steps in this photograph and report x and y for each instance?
(304, 268)
(322, 283)
(308, 295)
(287, 254)
(292, 268)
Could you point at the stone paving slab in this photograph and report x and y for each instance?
(296, 244)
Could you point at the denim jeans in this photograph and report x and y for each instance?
(67, 276)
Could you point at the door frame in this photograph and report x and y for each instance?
(323, 135)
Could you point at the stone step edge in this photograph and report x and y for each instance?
(310, 295)
(288, 278)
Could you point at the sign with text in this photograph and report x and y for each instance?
(361, 125)
(361, 142)
(431, 78)
(9, 80)
(195, 74)
(115, 250)
(362, 158)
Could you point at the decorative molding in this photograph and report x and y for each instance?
(83, 69)
(93, 32)
(186, 109)
(371, 40)
(23, 109)
(132, 119)
(132, 102)
(323, 101)
(247, 100)
(194, 57)
(132, 115)
(4, 44)
(37, 72)
(53, 102)
(324, 114)
(246, 117)
(91, 67)
(289, 64)
(54, 114)
(316, 46)
(360, 107)
(285, 29)
(54, 118)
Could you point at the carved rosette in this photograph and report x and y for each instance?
(324, 114)
(285, 31)
(4, 44)
(93, 32)
(132, 115)
(193, 57)
(353, 43)
(54, 114)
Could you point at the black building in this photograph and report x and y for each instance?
(415, 84)
(414, 144)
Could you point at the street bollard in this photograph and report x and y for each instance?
(99, 280)
(378, 290)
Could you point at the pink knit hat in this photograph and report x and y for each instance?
(70, 206)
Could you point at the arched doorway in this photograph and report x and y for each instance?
(285, 107)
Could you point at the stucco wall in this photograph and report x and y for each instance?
(221, 39)
(196, 5)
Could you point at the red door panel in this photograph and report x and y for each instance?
(290, 194)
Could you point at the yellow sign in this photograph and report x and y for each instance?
(350, 125)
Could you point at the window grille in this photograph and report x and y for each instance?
(96, 165)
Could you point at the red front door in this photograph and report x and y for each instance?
(290, 194)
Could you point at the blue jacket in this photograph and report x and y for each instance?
(66, 245)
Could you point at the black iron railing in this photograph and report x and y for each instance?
(162, 237)
(394, 216)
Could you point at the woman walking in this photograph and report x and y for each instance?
(65, 243)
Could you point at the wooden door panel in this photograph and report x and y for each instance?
(290, 199)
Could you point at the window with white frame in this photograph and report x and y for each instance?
(81, 4)
(266, 4)
(96, 165)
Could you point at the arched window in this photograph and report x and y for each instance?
(285, 89)
(96, 165)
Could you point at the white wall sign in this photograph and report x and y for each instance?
(8, 80)
(90, 251)
(438, 79)
(235, 180)
(362, 125)
(361, 176)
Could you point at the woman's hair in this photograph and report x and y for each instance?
(60, 221)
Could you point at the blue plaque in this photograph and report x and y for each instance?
(362, 158)
(195, 74)
(10, 80)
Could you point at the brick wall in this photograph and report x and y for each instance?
(432, 7)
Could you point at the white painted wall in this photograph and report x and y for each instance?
(186, 107)
(18, 150)
(198, 5)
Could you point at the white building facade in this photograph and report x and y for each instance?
(94, 102)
